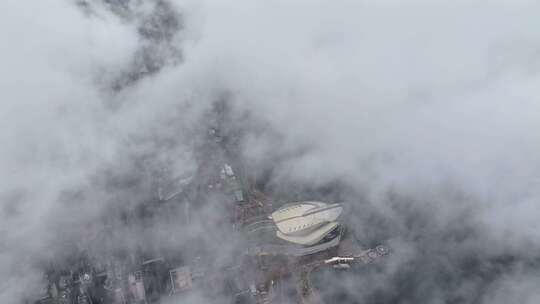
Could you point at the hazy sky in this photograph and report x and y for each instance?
(427, 110)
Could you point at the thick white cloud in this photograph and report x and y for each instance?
(434, 101)
(410, 95)
(54, 129)
(423, 98)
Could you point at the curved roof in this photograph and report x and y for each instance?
(310, 238)
(306, 223)
(295, 209)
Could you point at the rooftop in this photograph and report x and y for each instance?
(306, 223)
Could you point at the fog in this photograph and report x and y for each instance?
(425, 113)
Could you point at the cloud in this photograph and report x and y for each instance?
(59, 132)
(422, 115)
(426, 109)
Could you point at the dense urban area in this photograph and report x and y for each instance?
(271, 265)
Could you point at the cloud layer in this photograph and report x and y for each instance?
(425, 114)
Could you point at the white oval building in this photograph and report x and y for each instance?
(306, 223)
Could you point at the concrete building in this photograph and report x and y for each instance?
(181, 279)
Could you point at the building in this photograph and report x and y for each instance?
(306, 223)
(296, 229)
(136, 287)
(181, 279)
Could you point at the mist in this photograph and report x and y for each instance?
(422, 116)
